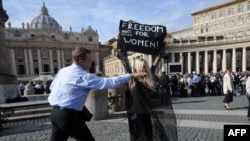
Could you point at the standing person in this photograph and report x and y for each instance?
(163, 82)
(140, 125)
(243, 80)
(190, 84)
(196, 84)
(69, 91)
(22, 88)
(248, 95)
(227, 89)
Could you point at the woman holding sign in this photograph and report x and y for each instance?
(140, 125)
(146, 117)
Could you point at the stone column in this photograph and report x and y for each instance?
(224, 60)
(39, 60)
(173, 57)
(234, 60)
(26, 62)
(58, 59)
(31, 62)
(206, 63)
(215, 62)
(63, 58)
(13, 61)
(181, 58)
(197, 62)
(189, 62)
(244, 61)
(51, 61)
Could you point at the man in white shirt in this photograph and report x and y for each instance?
(69, 91)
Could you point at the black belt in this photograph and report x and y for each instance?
(65, 109)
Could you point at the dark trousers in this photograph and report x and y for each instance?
(67, 123)
(248, 113)
(140, 127)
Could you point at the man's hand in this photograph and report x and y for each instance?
(138, 74)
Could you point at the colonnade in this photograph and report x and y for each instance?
(30, 64)
(206, 61)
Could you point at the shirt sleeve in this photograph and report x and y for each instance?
(95, 82)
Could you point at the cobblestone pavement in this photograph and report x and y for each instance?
(198, 119)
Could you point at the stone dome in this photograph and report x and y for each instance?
(45, 21)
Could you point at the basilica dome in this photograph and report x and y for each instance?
(45, 21)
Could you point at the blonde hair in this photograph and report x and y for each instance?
(148, 79)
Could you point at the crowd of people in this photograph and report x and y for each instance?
(39, 86)
(201, 84)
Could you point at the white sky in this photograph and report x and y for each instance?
(105, 15)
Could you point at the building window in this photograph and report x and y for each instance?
(77, 38)
(213, 16)
(67, 53)
(45, 53)
(230, 11)
(66, 38)
(224, 25)
(248, 19)
(17, 35)
(54, 54)
(240, 20)
(34, 54)
(19, 53)
(32, 35)
(53, 36)
(240, 8)
(90, 38)
(222, 13)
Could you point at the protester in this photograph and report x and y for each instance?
(227, 89)
(248, 95)
(140, 125)
(69, 91)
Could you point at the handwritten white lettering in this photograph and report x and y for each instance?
(140, 27)
(143, 43)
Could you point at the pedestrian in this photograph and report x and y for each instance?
(163, 84)
(22, 88)
(227, 89)
(196, 84)
(248, 96)
(69, 91)
(243, 80)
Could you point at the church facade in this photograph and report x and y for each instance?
(42, 46)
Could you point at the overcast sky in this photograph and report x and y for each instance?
(105, 15)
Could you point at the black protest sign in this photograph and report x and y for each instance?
(142, 38)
